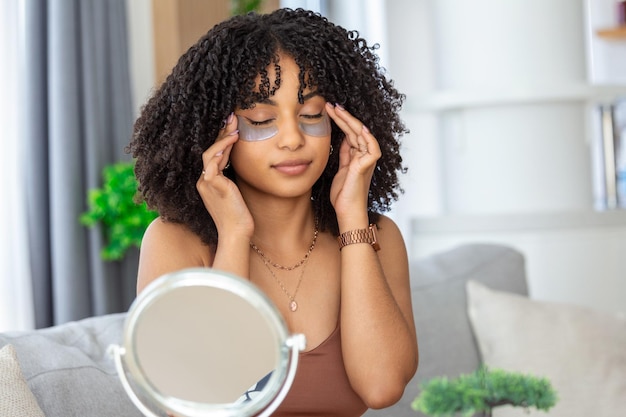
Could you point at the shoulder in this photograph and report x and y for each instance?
(167, 247)
(175, 237)
(393, 252)
(160, 227)
(388, 230)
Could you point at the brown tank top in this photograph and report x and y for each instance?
(321, 386)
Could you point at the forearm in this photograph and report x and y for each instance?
(377, 340)
(378, 337)
(233, 255)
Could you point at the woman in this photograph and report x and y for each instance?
(270, 152)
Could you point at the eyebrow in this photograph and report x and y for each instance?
(305, 97)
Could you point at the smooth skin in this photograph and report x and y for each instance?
(270, 205)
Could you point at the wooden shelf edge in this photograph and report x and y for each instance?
(613, 33)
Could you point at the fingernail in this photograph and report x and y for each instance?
(366, 129)
(339, 106)
(230, 118)
(220, 153)
(234, 132)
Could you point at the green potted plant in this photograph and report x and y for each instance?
(115, 209)
(245, 6)
(480, 392)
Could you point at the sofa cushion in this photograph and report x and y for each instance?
(64, 382)
(16, 399)
(445, 338)
(68, 369)
(582, 351)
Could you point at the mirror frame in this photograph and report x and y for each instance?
(128, 363)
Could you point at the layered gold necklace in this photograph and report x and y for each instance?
(269, 264)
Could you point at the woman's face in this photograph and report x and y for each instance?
(283, 145)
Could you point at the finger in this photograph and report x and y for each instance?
(354, 124)
(215, 158)
(366, 143)
(229, 131)
(224, 162)
(345, 153)
(352, 127)
(373, 147)
(336, 114)
(228, 122)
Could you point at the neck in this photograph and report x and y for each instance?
(283, 227)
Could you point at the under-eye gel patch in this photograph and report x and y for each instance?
(316, 127)
(250, 132)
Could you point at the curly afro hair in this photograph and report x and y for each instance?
(219, 73)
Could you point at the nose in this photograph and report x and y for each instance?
(289, 135)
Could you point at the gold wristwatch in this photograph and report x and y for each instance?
(360, 236)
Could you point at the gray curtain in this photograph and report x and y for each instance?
(79, 119)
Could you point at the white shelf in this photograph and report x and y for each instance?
(574, 257)
(566, 220)
(457, 100)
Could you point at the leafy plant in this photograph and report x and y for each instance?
(481, 391)
(238, 7)
(113, 206)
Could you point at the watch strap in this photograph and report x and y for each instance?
(367, 235)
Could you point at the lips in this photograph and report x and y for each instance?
(293, 167)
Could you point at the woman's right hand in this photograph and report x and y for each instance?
(220, 194)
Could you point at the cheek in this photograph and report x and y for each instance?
(244, 157)
(323, 145)
(323, 150)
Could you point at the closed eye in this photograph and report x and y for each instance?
(312, 116)
(260, 122)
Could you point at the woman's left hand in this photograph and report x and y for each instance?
(358, 154)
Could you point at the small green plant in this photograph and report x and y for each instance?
(481, 391)
(238, 7)
(113, 206)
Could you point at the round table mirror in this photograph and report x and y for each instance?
(200, 342)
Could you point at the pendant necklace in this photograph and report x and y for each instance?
(293, 305)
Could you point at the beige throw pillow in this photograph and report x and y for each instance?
(581, 351)
(16, 399)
